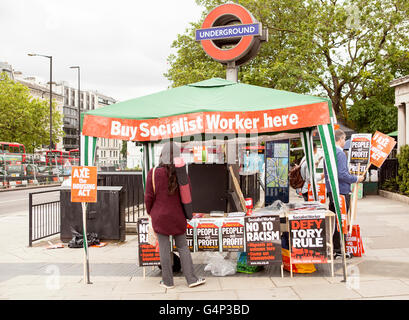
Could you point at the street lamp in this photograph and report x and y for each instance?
(51, 94)
(79, 112)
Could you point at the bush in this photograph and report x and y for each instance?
(403, 171)
(390, 185)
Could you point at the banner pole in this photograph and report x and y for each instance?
(354, 202)
(85, 244)
(332, 245)
(289, 245)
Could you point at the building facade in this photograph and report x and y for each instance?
(401, 86)
(5, 67)
(108, 150)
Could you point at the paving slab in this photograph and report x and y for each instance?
(384, 268)
(212, 284)
(404, 297)
(391, 252)
(334, 291)
(231, 283)
(298, 279)
(209, 295)
(155, 296)
(382, 288)
(139, 285)
(268, 294)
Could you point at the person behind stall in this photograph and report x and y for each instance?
(345, 179)
(168, 219)
(306, 175)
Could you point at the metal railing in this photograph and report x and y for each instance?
(134, 193)
(388, 170)
(44, 218)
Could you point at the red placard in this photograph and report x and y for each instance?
(343, 208)
(381, 146)
(321, 193)
(84, 184)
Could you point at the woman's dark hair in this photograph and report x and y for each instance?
(169, 151)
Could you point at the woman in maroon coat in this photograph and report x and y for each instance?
(168, 219)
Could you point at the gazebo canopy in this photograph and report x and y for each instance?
(214, 106)
(213, 95)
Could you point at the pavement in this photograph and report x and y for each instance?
(39, 273)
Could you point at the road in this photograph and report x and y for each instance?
(16, 201)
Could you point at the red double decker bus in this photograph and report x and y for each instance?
(13, 152)
(53, 157)
(74, 157)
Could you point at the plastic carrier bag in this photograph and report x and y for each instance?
(277, 207)
(219, 266)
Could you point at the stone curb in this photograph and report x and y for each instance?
(32, 187)
(394, 196)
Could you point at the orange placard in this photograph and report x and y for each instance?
(84, 184)
(343, 208)
(381, 146)
(321, 193)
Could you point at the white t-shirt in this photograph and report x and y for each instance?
(305, 175)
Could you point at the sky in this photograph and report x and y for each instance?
(121, 46)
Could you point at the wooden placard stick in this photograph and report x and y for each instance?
(237, 189)
(289, 244)
(354, 203)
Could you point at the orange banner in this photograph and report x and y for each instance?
(381, 146)
(207, 122)
(84, 184)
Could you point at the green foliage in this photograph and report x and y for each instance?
(372, 115)
(348, 50)
(390, 185)
(403, 171)
(124, 149)
(24, 119)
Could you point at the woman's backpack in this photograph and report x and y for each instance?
(295, 177)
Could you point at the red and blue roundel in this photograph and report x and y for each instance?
(229, 25)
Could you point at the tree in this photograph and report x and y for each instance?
(343, 50)
(24, 119)
(124, 149)
(372, 115)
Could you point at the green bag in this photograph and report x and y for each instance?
(243, 267)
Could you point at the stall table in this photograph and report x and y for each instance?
(258, 235)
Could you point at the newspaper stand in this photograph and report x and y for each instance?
(329, 244)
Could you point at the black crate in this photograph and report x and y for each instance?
(106, 217)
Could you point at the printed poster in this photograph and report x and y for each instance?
(232, 232)
(359, 153)
(263, 241)
(190, 236)
(277, 155)
(147, 253)
(208, 234)
(308, 238)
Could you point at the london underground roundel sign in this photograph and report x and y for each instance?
(230, 33)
